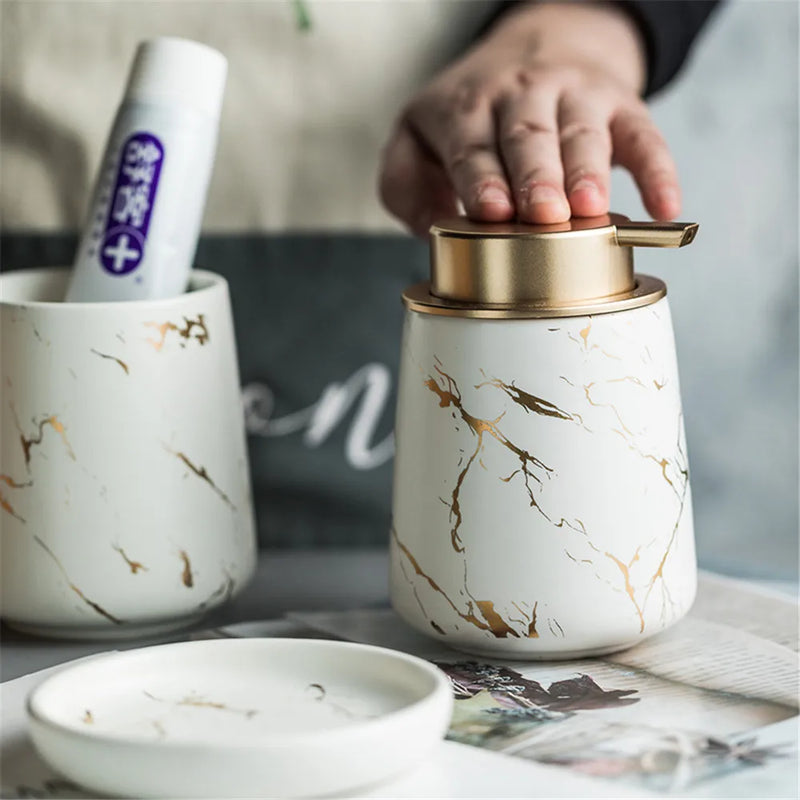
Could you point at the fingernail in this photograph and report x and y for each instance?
(543, 194)
(547, 195)
(585, 185)
(493, 195)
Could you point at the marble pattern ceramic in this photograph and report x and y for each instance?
(124, 483)
(541, 503)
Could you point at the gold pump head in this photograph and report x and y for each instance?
(582, 266)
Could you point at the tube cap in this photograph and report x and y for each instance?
(179, 72)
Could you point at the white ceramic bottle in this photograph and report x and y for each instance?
(145, 215)
(541, 503)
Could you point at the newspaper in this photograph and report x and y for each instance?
(708, 707)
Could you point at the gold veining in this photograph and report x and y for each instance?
(11, 483)
(528, 401)
(563, 523)
(449, 395)
(99, 609)
(628, 379)
(659, 573)
(498, 626)
(681, 495)
(582, 560)
(584, 342)
(629, 590)
(492, 621)
(187, 578)
(134, 565)
(468, 616)
(111, 358)
(5, 503)
(9, 509)
(532, 634)
(201, 335)
(587, 389)
(57, 426)
(202, 474)
(199, 701)
(415, 592)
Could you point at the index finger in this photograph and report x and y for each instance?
(460, 129)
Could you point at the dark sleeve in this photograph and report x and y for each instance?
(668, 28)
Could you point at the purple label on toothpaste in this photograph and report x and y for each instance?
(125, 233)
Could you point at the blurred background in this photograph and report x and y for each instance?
(731, 121)
(293, 195)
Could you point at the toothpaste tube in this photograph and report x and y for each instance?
(147, 207)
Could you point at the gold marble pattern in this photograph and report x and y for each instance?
(187, 577)
(625, 570)
(446, 389)
(489, 620)
(91, 603)
(201, 473)
(111, 358)
(135, 566)
(5, 503)
(634, 589)
(629, 568)
(193, 700)
(528, 401)
(28, 443)
(191, 330)
(583, 341)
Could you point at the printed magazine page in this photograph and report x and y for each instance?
(697, 708)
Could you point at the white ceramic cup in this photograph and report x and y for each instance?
(124, 483)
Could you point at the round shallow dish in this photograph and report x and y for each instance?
(240, 718)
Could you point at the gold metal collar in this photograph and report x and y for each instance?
(511, 270)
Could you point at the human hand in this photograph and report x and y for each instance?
(527, 124)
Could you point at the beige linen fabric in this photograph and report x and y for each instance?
(305, 113)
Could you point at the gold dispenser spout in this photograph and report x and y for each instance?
(656, 234)
(510, 270)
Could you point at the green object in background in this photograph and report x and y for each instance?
(303, 17)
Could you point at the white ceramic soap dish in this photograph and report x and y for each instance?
(240, 718)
